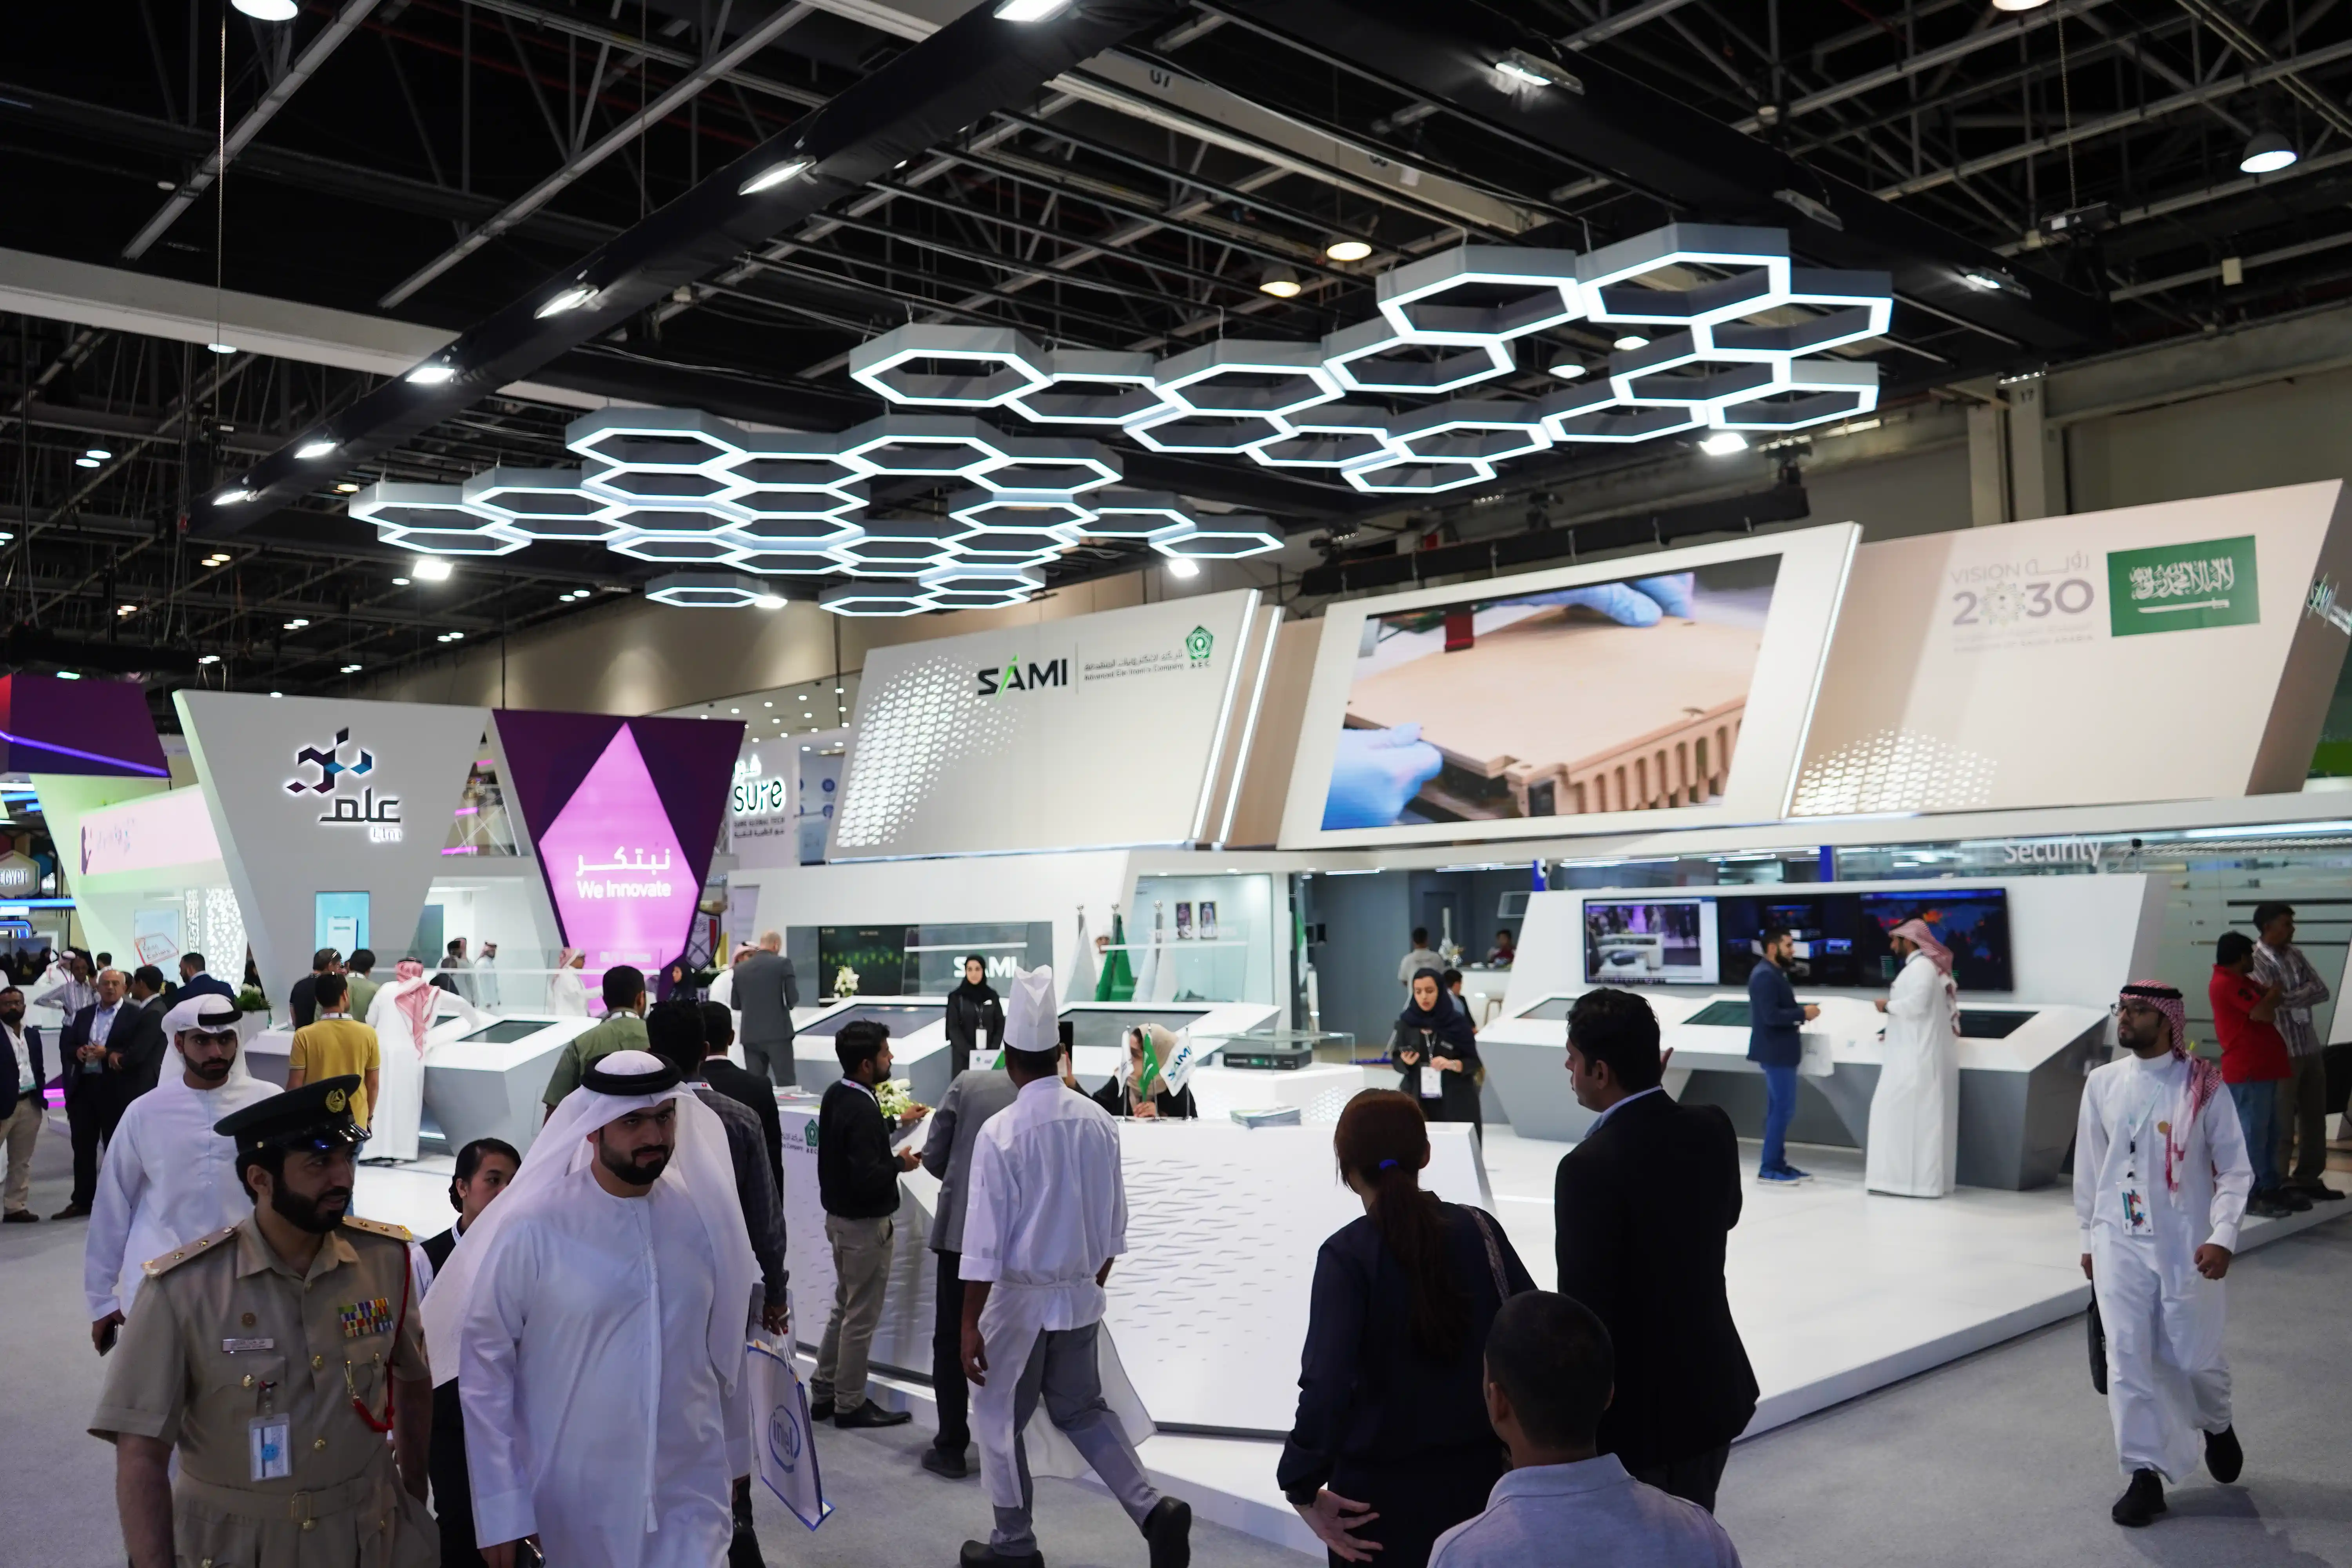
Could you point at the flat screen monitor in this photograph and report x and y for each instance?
(1651, 942)
(504, 1032)
(1107, 1026)
(1726, 1013)
(1972, 921)
(1552, 1009)
(1823, 947)
(1989, 1023)
(901, 1018)
(875, 958)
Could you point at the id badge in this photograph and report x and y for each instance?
(1433, 1082)
(272, 1440)
(2135, 1216)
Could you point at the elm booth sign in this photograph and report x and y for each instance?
(1099, 731)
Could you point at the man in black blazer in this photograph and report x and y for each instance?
(22, 1074)
(749, 1087)
(1644, 1208)
(111, 1052)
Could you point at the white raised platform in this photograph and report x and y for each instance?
(1836, 1291)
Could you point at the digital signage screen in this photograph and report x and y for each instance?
(1651, 942)
(1972, 921)
(1599, 697)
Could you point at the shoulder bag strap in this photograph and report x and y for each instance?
(1502, 1292)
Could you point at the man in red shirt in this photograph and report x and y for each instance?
(2254, 1064)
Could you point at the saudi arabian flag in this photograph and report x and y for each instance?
(1118, 982)
(1168, 1060)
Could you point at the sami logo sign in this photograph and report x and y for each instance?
(2183, 588)
(1013, 677)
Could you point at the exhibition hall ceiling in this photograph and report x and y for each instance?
(2038, 185)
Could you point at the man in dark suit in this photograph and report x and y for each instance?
(1644, 1208)
(194, 982)
(22, 1074)
(749, 1087)
(1774, 1043)
(115, 1049)
(766, 991)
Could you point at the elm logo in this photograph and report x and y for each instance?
(1013, 678)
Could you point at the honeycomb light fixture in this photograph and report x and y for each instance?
(1716, 330)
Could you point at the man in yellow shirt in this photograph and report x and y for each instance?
(336, 1045)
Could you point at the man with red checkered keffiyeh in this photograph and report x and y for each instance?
(2161, 1179)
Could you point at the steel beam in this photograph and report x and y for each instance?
(329, 39)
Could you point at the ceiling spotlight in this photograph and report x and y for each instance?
(70, 675)
(1346, 249)
(1631, 341)
(2019, 4)
(98, 453)
(126, 609)
(1028, 10)
(267, 11)
(222, 347)
(346, 488)
(1723, 443)
(1568, 369)
(400, 581)
(1278, 280)
(775, 175)
(1525, 69)
(433, 374)
(571, 299)
(1183, 566)
(209, 659)
(85, 462)
(2267, 152)
(232, 498)
(432, 569)
(351, 669)
(1976, 277)
(317, 449)
(277, 694)
(768, 601)
(297, 623)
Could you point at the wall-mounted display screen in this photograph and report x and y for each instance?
(1605, 697)
(860, 961)
(1972, 921)
(1651, 942)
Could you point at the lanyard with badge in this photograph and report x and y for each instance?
(1433, 1080)
(2133, 1191)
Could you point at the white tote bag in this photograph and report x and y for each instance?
(781, 1440)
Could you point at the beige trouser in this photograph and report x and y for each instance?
(861, 1267)
(18, 1129)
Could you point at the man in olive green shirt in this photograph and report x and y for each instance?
(624, 1029)
(358, 974)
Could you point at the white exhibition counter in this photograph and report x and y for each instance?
(2021, 1070)
(1209, 1306)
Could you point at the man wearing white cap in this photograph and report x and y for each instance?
(168, 1178)
(1045, 1219)
(594, 1318)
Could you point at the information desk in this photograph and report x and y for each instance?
(2021, 1070)
(1209, 1304)
(483, 1082)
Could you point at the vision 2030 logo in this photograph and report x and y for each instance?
(1013, 677)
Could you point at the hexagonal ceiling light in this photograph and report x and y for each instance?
(978, 367)
(710, 590)
(904, 596)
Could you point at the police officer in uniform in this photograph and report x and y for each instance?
(274, 1355)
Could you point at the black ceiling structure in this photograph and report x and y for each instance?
(1115, 177)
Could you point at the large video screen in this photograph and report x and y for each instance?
(1651, 942)
(1607, 697)
(1824, 943)
(1972, 921)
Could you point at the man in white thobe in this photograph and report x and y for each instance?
(1045, 1220)
(168, 1178)
(595, 1319)
(2160, 1185)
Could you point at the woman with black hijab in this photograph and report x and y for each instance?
(677, 981)
(973, 1010)
(1437, 1054)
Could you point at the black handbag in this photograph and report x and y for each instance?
(2098, 1333)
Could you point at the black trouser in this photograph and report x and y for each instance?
(1694, 1479)
(453, 1491)
(86, 1116)
(949, 1390)
(1418, 1496)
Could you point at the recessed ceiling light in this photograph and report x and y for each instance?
(1028, 10)
(2019, 4)
(70, 675)
(317, 449)
(433, 374)
(767, 705)
(232, 498)
(1980, 279)
(768, 602)
(100, 453)
(1568, 369)
(209, 659)
(222, 347)
(570, 299)
(734, 709)
(433, 569)
(267, 11)
(1723, 443)
(400, 581)
(297, 623)
(277, 694)
(126, 609)
(1346, 249)
(85, 462)
(346, 488)
(775, 175)
(1183, 566)
(1631, 341)
(351, 669)
(457, 637)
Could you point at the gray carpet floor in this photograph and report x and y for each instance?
(2002, 1459)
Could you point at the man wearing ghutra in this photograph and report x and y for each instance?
(594, 1318)
(2160, 1184)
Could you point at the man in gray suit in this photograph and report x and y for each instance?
(766, 993)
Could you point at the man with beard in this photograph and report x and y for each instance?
(168, 1178)
(271, 1358)
(594, 1319)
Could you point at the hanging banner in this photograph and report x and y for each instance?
(622, 815)
(313, 793)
